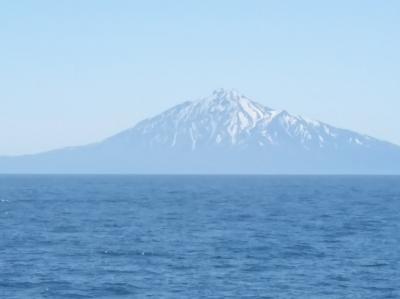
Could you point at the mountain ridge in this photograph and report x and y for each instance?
(225, 132)
(241, 115)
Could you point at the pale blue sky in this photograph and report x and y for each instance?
(73, 72)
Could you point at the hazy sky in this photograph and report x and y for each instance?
(74, 72)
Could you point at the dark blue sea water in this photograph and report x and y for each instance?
(199, 237)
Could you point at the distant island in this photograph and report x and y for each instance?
(224, 133)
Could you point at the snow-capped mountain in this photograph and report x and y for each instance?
(227, 119)
(225, 132)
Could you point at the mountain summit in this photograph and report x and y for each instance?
(225, 132)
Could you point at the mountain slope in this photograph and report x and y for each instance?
(223, 133)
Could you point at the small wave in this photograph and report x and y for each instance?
(117, 289)
(375, 265)
(133, 253)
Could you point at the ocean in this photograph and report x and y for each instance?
(199, 237)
